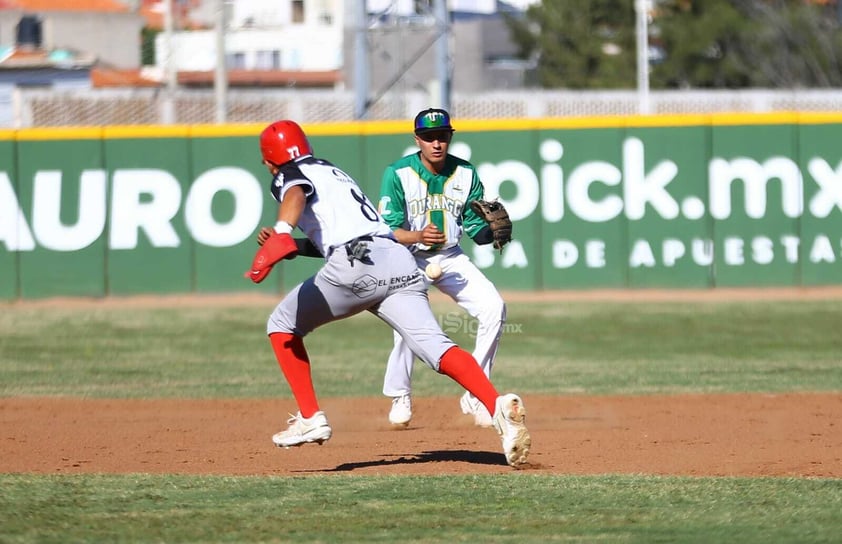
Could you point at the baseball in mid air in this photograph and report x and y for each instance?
(433, 271)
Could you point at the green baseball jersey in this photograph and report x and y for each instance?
(412, 197)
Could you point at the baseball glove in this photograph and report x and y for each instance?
(495, 214)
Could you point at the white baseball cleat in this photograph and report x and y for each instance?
(303, 431)
(509, 421)
(472, 406)
(401, 411)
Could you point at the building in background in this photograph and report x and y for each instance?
(310, 43)
(286, 43)
(291, 43)
(270, 45)
(59, 44)
(108, 30)
(401, 38)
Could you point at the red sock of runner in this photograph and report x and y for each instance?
(295, 364)
(459, 365)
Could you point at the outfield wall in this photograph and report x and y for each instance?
(625, 202)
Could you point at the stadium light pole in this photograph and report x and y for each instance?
(641, 8)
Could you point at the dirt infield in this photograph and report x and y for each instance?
(727, 435)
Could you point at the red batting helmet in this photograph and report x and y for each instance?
(283, 141)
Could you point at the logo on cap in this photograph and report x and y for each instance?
(432, 119)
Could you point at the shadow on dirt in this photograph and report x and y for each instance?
(440, 456)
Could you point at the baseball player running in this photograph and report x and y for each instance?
(424, 198)
(365, 268)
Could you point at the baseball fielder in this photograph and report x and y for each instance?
(424, 198)
(364, 269)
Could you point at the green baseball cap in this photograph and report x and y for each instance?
(432, 119)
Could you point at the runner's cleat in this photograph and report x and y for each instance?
(509, 421)
(304, 431)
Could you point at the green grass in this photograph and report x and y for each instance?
(512, 508)
(551, 348)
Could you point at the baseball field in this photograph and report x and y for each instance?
(656, 416)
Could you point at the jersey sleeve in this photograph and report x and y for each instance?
(290, 175)
(471, 222)
(392, 206)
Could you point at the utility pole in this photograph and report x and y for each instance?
(220, 80)
(361, 69)
(443, 52)
(170, 71)
(439, 88)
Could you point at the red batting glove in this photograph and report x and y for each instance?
(275, 248)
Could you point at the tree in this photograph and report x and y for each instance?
(797, 44)
(583, 44)
(703, 43)
(579, 43)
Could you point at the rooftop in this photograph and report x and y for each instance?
(65, 5)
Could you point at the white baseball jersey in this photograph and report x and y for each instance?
(337, 211)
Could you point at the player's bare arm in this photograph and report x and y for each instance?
(429, 235)
(279, 244)
(289, 211)
(292, 206)
(305, 247)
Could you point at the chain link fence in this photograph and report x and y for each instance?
(54, 108)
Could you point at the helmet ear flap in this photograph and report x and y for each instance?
(283, 141)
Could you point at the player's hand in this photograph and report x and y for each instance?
(264, 235)
(276, 247)
(431, 235)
